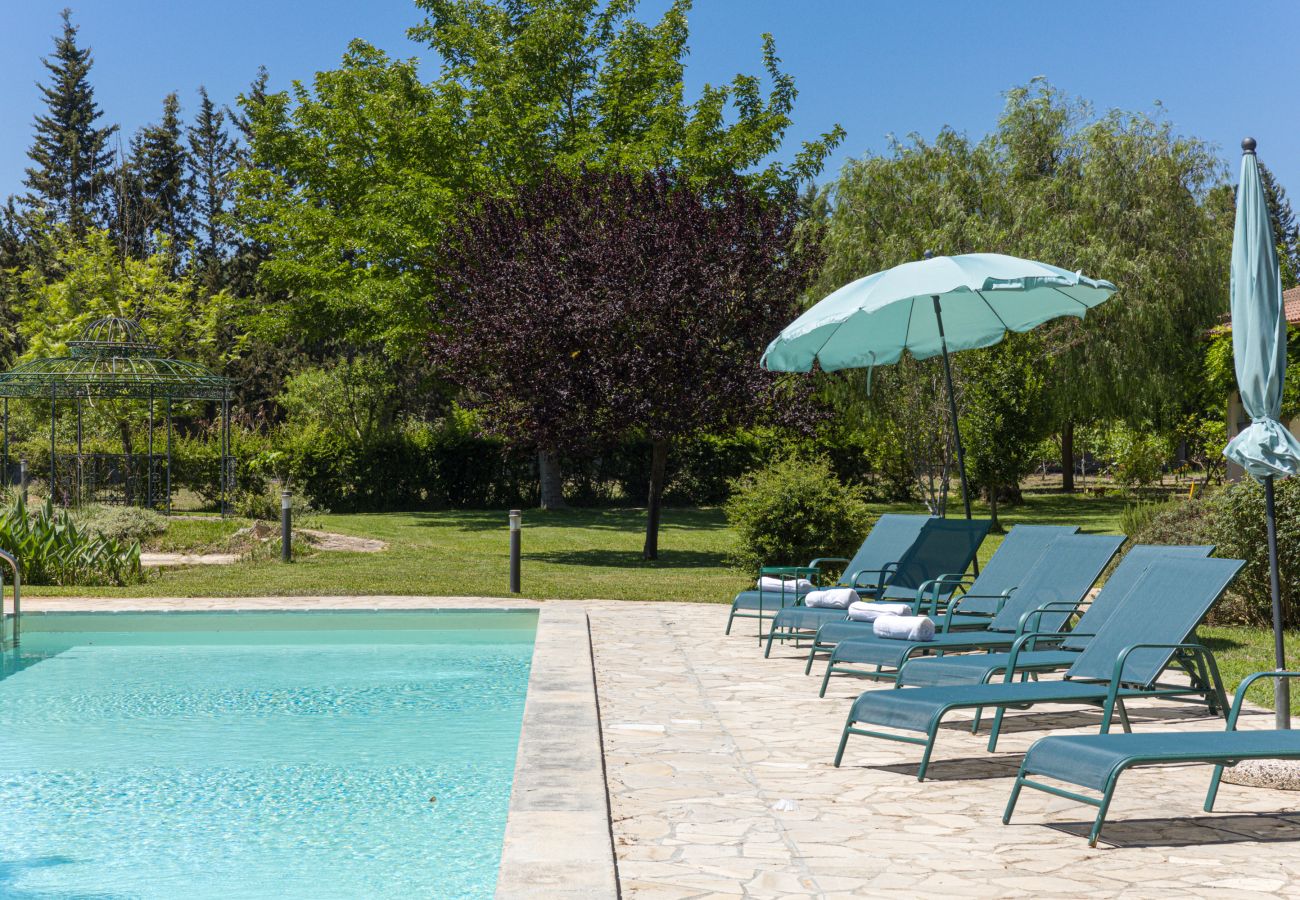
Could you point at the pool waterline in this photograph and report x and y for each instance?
(142, 753)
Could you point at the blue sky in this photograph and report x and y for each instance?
(876, 68)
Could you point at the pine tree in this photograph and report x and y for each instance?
(73, 160)
(1286, 233)
(160, 162)
(212, 161)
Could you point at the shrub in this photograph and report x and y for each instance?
(1172, 522)
(1137, 456)
(121, 523)
(51, 549)
(1240, 532)
(793, 510)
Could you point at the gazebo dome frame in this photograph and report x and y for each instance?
(113, 361)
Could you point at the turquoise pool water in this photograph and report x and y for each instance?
(180, 755)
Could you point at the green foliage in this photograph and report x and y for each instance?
(1106, 194)
(792, 511)
(52, 549)
(355, 176)
(354, 398)
(1221, 377)
(1239, 529)
(132, 524)
(1137, 455)
(1004, 415)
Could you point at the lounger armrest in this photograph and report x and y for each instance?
(1117, 677)
(1028, 641)
(1036, 614)
(884, 573)
(933, 588)
(1240, 697)
(789, 571)
(819, 561)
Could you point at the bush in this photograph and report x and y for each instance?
(1240, 532)
(1172, 522)
(121, 523)
(51, 549)
(1137, 456)
(792, 511)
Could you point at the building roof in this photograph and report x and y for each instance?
(1290, 307)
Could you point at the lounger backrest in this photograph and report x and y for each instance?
(944, 546)
(889, 539)
(1062, 575)
(1121, 581)
(1163, 607)
(1010, 564)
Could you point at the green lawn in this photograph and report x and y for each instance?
(589, 553)
(576, 553)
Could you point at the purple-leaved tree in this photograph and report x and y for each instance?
(594, 305)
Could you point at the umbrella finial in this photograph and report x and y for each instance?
(1248, 145)
(929, 254)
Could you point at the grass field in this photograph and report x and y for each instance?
(570, 554)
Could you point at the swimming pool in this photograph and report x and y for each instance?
(259, 754)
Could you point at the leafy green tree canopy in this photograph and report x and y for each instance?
(355, 177)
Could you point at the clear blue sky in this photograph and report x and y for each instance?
(876, 68)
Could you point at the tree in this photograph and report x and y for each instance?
(72, 159)
(353, 178)
(598, 304)
(1286, 233)
(1118, 196)
(1004, 416)
(212, 158)
(161, 166)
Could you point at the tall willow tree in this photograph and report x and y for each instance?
(1119, 196)
(356, 176)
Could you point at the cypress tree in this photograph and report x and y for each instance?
(160, 162)
(1286, 233)
(72, 158)
(212, 162)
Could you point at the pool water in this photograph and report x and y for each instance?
(231, 755)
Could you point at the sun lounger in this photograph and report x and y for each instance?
(1125, 659)
(1044, 602)
(1096, 761)
(944, 546)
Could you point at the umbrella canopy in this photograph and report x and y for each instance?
(982, 296)
(1265, 447)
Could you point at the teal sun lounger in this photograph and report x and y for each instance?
(1124, 660)
(923, 574)
(1096, 761)
(982, 598)
(1044, 602)
(886, 543)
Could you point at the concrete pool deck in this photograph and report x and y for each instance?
(703, 738)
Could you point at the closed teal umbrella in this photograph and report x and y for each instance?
(1265, 449)
(927, 308)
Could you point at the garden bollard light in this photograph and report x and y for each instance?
(286, 527)
(22, 477)
(516, 517)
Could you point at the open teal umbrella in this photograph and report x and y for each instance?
(1265, 449)
(927, 308)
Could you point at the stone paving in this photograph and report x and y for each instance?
(703, 738)
(720, 783)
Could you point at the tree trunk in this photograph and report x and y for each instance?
(658, 465)
(1067, 457)
(994, 525)
(551, 480)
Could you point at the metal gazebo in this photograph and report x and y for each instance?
(114, 361)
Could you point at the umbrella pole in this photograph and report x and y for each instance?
(956, 425)
(952, 408)
(1282, 690)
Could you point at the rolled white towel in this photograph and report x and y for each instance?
(831, 598)
(772, 583)
(904, 628)
(864, 611)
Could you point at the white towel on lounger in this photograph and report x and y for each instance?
(788, 585)
(864, 611)
(831, 598)
(904, 628)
